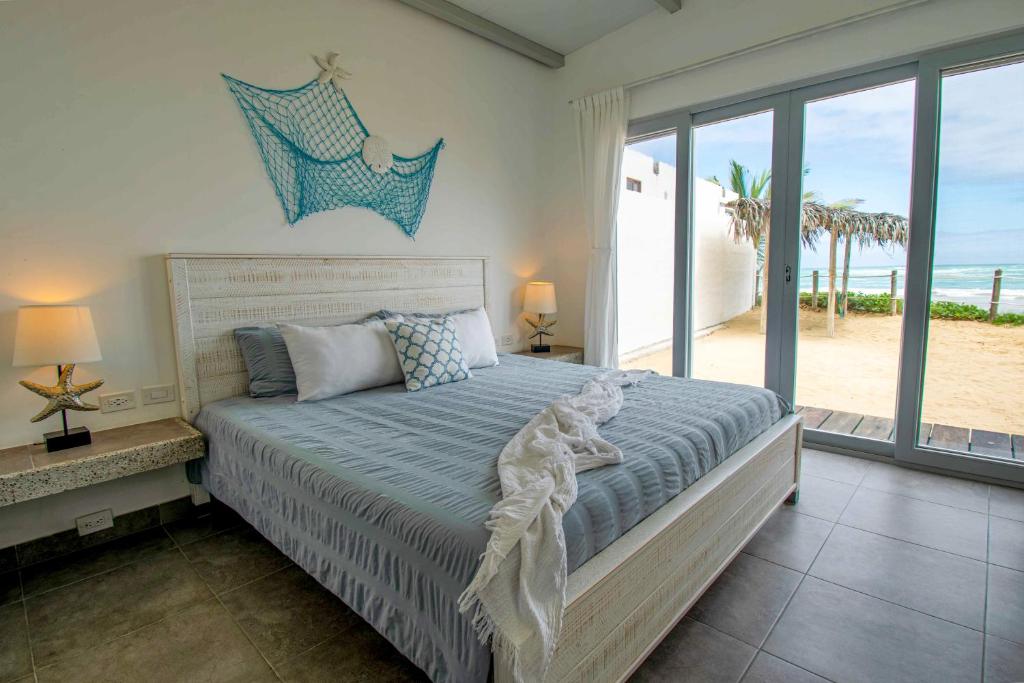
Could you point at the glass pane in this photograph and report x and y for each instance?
(732, 163)
(974, 368)
(646, 254)
(856, 199)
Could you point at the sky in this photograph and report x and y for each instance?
(859, 145)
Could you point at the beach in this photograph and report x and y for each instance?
(973, 376)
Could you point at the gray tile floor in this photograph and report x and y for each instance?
(878, 574)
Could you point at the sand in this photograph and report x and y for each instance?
(973, 378)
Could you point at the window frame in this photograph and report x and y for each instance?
(787, 103)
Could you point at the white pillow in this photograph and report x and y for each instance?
(475, 336)
(473, 329)
(331, 361)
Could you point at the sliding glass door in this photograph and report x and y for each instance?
(974, 366)
(853, 244)
(965, 355)
(645, 253)
(732, 161)
(855, 200)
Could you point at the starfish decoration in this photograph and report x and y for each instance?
(542, 326)
(329, 71)
(64, 395)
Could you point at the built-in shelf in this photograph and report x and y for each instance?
(28, 472)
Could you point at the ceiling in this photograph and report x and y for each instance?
(561, 25)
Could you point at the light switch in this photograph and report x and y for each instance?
(160, 393)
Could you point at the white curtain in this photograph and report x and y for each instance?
(601, 132)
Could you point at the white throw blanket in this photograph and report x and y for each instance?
(518, 598)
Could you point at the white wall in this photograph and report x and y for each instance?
(645, 259)
(119, 142)
(723, 269)
(658, 43)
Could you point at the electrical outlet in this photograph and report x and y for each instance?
(121, 400)
(508, 339)
(97, 521)
(159, 393)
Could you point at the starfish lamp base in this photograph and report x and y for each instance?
(59, 440)
(540, 348)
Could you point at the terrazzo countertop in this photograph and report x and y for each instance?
(28, 472)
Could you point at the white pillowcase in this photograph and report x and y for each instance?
(473, 329)
(475, 337)
(331, 361)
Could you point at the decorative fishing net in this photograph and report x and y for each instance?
(315, 149)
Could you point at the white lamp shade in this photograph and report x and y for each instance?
(540, 298)
(55, 335)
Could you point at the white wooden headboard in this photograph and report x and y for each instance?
(212, 294)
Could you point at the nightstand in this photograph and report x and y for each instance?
(566, 354)
(28, 472)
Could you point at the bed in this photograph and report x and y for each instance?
(381, 495)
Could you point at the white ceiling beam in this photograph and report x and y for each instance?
(671, 6)
(474, 23)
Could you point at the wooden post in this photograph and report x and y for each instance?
(846, 275)
(757, 285)
(814, 290)
(764, 287)
(830, 324)
(892, 293)
(997, 284)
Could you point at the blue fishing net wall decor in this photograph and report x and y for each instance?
(319, 155)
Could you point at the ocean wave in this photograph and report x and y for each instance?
(940, 292)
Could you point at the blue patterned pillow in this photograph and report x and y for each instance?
(428, 351)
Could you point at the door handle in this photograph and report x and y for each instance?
(789, 274)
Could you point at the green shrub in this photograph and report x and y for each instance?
(1009, 319)
(855, 301)
(871, 303)
(950, 310)
(944, 310)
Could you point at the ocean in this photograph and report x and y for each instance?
(962, 284)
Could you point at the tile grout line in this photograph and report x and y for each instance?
(231, 616)
(217, 596)
(875, 597)
(58, 660)
(988, 572)
(891, 538)
(133, 631)
(181, 549)
(903, 540)
(896, 604)
(923, 500)
(803, 577)
(174, 546)
(28, 627)
(336, 634)
(203, 538)
(757, 650)
(91, 576)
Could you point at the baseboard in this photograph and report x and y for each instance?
(67, 542)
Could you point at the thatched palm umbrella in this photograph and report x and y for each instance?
(751, 218)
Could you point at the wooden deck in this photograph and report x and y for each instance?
(1009, 446)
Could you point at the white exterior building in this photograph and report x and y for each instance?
(724, 270)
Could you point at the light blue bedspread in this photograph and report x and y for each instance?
(382, 495)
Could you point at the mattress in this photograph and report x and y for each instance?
(382, 495)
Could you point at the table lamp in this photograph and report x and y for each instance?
(61, 336)
(540, 299)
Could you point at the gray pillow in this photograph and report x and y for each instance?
(267, 361)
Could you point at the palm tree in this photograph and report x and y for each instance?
(749, 186)
(750, 220)
(847, 244)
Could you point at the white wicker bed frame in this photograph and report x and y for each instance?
(624, 600)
